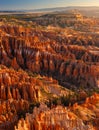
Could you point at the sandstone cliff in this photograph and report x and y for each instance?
(58, 118)
(70, 64)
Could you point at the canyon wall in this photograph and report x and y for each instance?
(72, 65)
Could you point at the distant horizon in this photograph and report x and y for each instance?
(76, 6)
(41, 4)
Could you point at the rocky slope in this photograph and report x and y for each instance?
(46, 53)
(17, 85)
(33, 63)
(59, 117)
(16, 90)
(88, 111)
(20, 90)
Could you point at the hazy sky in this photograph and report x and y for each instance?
(35, 4)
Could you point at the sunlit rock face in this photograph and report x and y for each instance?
(8, 112)
(17, 89)
(57, 118)
(89, 110)
(71, 59)
(17, 85)
(47, 53)
(78, 117)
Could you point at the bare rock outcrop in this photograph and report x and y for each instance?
(57, 118)
(17, 85)
(71, 59)
(70, 64)
(75, 117)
